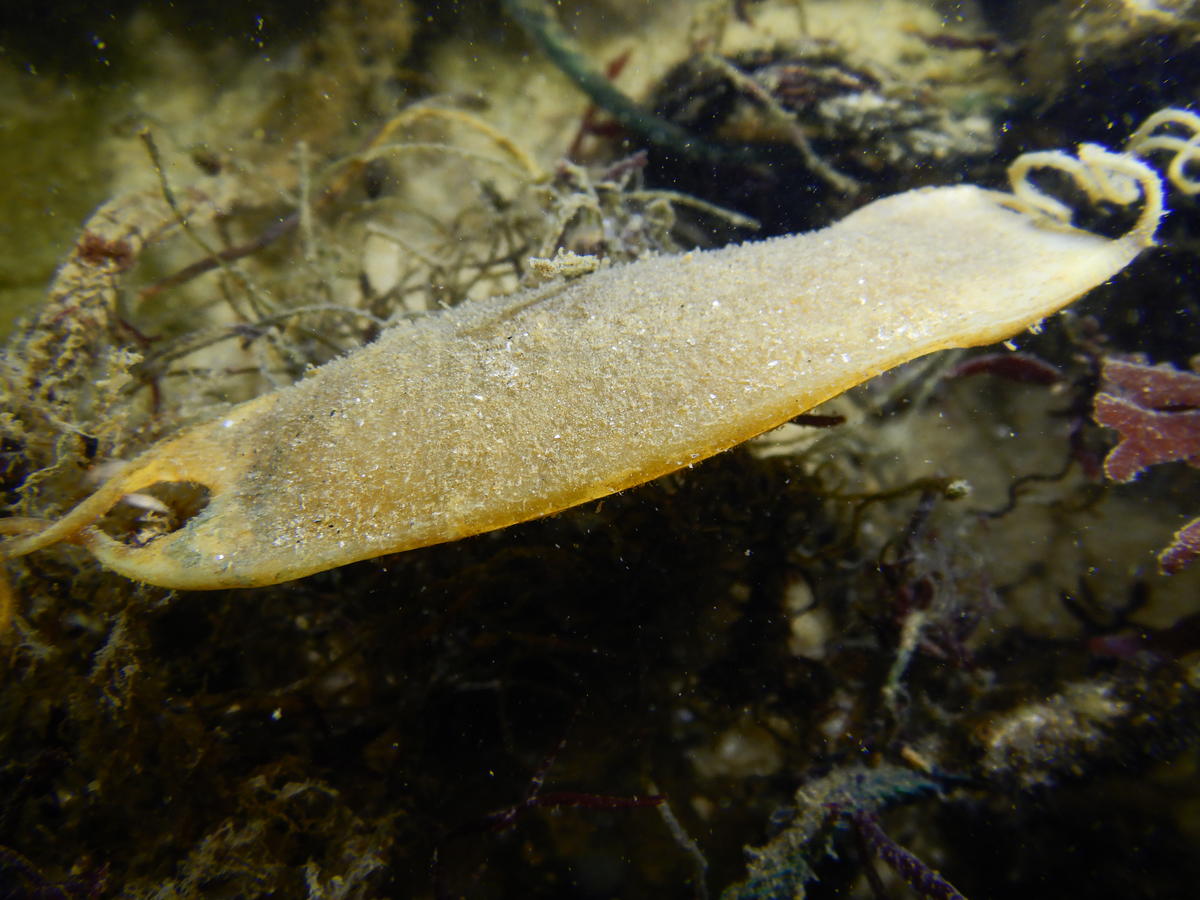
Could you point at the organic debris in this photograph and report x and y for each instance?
(850, 796)
(823, 652)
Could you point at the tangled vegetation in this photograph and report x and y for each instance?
(917, 637)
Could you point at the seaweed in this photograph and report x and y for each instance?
(847, 797)
(1156, 412)
(914, 629)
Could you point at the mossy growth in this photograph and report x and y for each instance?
(824, 602)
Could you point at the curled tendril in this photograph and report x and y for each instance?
(1105, 176)
(1185, 149)
(1033, 199)
(1121, 178)
(1146, 136)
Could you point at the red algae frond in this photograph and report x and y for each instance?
(1156, 412)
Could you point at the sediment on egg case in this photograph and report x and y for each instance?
(911, 645)
(266, 464)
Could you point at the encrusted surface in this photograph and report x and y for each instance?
(500, 411)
